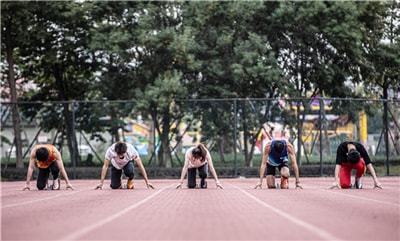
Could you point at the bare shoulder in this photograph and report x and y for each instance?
(267, 147)
(33, 151)
(290, 147)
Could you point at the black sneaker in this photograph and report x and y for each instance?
(203, 183)
(358, 184)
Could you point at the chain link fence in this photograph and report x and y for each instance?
(234, 130)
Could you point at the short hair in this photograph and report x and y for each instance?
(353, 156)
(279, 146)
(120, 148)
(42, 154)
(199, 151)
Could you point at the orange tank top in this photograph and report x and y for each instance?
(50, 160)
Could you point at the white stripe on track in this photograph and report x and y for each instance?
(42, 199)
(362, 198)
(336, 191)
(313, 229)
(96, 225)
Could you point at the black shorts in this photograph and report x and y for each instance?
(271, 169)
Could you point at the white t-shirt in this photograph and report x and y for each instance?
(130, 154)
(192, 163)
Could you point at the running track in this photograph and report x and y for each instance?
(236, 213)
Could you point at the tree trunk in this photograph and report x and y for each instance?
(253, 145)
(299, 134)
(245, 137)
(68, 116)
(13, 91)
(114, 125)
(221, 150)
(152, 138)
(327, 144)
(164, 152)
(396, 130)
(386, 124)
(71, 135)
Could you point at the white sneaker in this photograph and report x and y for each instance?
(56, 184)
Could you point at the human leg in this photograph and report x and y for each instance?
(42, 179)
(115, 178)
(270, 173)
(192, 177)
(203, 172)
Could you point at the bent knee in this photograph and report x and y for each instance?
(130, 176)
(203, 175)
(285, 173)
(115, 186)
(41, 186)
(345, 186)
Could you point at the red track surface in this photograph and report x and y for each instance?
(236, 213)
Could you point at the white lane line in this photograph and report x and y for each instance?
(336, 191)
(18, 191)
(363, 198)
(41, 199)
(94, 226)
(313, 229)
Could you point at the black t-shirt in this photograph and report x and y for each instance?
(341, 154)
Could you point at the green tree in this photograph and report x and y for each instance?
(234, 60)
(319, 48)
(163, 66)
(115, 44)
(14, 26)
(56, 57)
(382, 60)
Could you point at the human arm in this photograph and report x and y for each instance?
(31, 166)
(60, 165)
(213, 172)
(263, 165)
(336, 183)
(183, 173)
(103, 173)
(143, 171)
(295, 167)
(371, 169)
(340, 156)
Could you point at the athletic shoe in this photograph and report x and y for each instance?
(203, 183)
(284, 183)
(129, 184)
(358, 184)
(56, 184)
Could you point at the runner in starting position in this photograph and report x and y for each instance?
(276, 155)
(47, 159)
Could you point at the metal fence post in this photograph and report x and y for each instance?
(386, 123)
(321, 105)
(73, 159)
(235, 137)
(299, 131)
